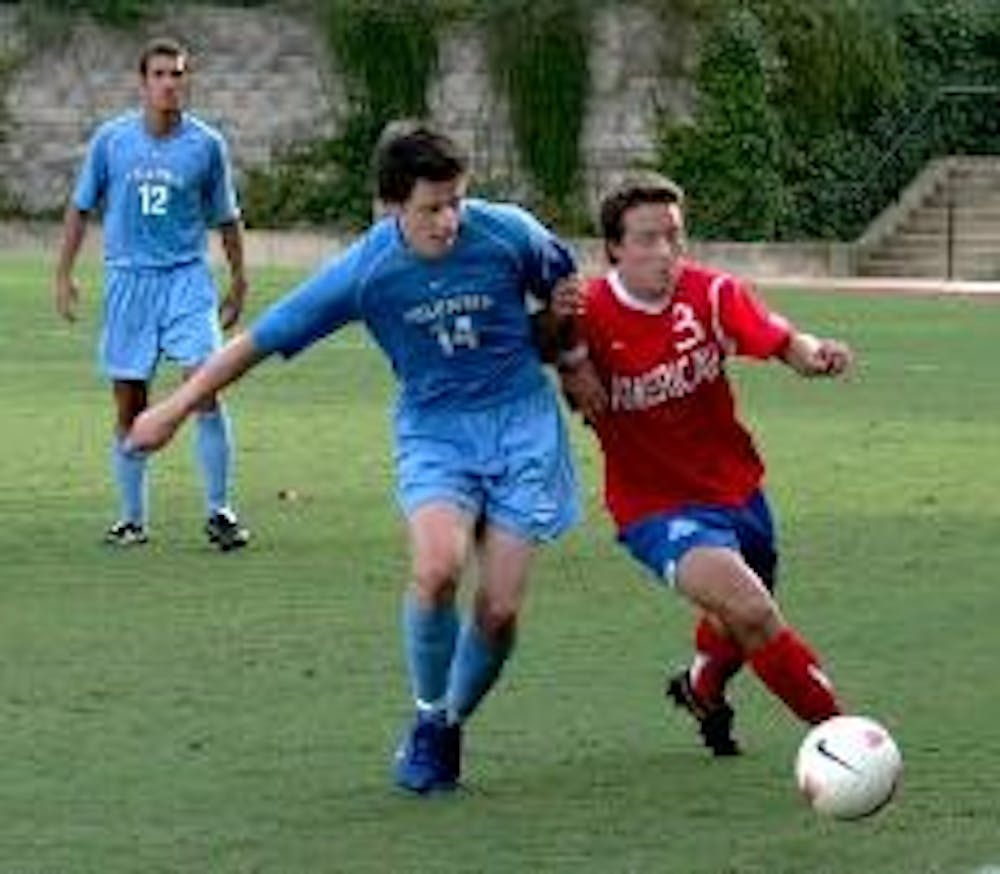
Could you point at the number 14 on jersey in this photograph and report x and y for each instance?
(459, 334)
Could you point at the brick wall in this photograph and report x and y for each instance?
(264, 77)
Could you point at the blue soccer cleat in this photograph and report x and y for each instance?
(429, 757)
(451, 756)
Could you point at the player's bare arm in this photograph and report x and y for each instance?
(67, 292)
(578, 378)
(231, 307)
(156, 426)
(583, 389)
(553, 326)
(809, 356)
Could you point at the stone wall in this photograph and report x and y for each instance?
(264, 77)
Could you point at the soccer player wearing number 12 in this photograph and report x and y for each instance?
(442, 282)
(163, 179)
(683, 480)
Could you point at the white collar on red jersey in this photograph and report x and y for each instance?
(627, 299)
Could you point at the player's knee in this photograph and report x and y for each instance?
(436, 577)
(496, 617)
(754, 617)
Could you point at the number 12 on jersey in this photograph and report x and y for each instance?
(153, 198)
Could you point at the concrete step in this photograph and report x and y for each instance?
(971, 272)
(984, 171)
(900, 268)
(949, 215)
(968, 218)
(962, 267)
(909, 244)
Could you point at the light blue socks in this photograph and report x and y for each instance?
(129, 469)
(429, 639)
(475, 669)
(213, 446)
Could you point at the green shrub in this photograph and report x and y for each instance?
(537, 53)
(115, 13)
(728, 159)
(387, 52)
(318, 182)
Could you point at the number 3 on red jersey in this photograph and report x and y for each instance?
(687, 329)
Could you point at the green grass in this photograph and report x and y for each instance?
(177, 710)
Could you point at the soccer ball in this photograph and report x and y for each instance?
(848, 767)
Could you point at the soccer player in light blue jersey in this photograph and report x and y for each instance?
(442, 283)
(163, 179)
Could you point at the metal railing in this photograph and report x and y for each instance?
(919, 190)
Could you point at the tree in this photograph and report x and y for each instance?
(729, 158)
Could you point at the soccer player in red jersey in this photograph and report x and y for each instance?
(683, 479)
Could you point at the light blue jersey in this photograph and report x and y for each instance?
(160, 194)
(477, 423)
(455, 328)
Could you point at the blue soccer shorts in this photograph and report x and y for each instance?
(171, 312)
(659, 542)
(508, 465)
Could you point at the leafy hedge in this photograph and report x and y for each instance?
(811, 115)
(386, 51)
(729, 160)
(116, 13)
(823, 111)
(538, 58)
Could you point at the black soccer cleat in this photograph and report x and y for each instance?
(126, 533)
(714, 723)
(224, 530)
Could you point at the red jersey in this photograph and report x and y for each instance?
(671, 436)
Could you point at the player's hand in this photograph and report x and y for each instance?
(812, 356)
(152, 429)
(67, 297)
(584, 390)
(833, 357)
(567, 297)
(231, 307)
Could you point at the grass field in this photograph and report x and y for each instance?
(176, 710)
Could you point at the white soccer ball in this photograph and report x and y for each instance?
(848, 767)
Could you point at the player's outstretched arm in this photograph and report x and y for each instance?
(814, 356)
(154, 427)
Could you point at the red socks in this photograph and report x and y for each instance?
(786, 665)
(790, 669)
(717, 657)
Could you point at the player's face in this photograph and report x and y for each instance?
(164, 87)
(430, 216)
(648, 256)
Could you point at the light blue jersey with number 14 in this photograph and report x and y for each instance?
(455, 328)
(160, 194)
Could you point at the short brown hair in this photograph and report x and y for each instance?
(409, 150)
(160, 46)
(636, 189)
